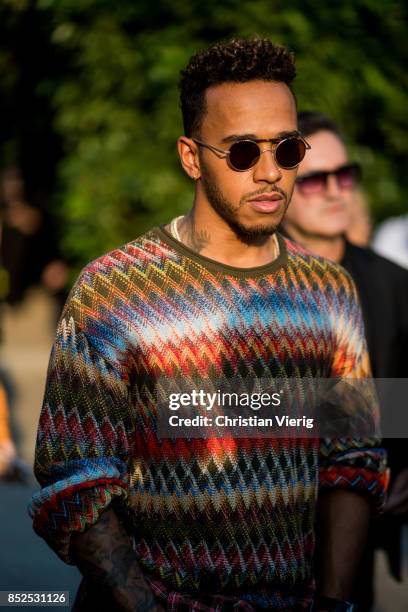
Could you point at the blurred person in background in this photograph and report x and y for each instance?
(29, 249)
(360, 227)
(8, 453)
(318, 218)
(208, 524)
(7, 448)
(391, 239)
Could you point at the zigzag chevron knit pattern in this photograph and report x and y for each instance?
(216, 524)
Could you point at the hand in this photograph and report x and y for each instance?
(397, 502)
(104, 555)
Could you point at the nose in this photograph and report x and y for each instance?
(266, 169)
(333, 190)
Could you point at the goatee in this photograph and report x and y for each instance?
(258, 234)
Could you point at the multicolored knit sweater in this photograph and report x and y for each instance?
(218, 522)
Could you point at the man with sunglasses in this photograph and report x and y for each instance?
(202, 523)
(318, 219)
(325, 190)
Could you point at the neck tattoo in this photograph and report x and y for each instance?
(193, 239)
(198, 240)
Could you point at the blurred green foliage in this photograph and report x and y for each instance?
(115, 98)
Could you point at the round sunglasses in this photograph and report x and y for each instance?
(244, 154)
(347, 177)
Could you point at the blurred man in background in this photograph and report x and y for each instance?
(11, 467)
(7, 447)
(360, 227)
(318, 219)
(29, 248)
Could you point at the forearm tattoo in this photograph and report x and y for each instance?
(104, 555)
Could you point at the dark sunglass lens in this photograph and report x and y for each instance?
(315, 183)
(243, 155)
(290, 152)
(348, 176)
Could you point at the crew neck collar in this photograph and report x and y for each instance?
(216, 266)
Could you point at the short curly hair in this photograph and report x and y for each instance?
(235, 61)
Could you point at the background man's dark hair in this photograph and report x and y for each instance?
(236, 61)
(311, 122)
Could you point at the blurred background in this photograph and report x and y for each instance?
(88, 122)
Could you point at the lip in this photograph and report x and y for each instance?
(335, 208)
(267, 203)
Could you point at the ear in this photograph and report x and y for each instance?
(188, 151)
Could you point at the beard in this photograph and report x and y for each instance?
(230, 213)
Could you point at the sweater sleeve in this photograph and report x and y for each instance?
(356, 463)
(84, 435)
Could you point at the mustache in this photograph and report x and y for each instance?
(262, 192)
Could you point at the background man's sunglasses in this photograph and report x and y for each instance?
(347, 177)
(244, 154)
